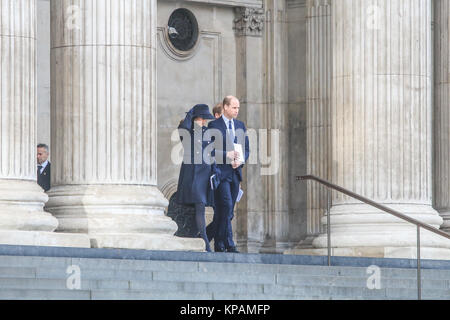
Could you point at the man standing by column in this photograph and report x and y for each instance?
(227, 159)
(43, 168)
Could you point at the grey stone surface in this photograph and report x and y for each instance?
(27, 294)
(215, 277)
(34, 277)
(288, 260)
(146, 295)
(12, 272)
(250, 296)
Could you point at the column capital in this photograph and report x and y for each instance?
(249, 21)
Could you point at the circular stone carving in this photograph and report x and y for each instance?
(183, 29)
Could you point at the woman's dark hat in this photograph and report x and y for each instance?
(202, 110)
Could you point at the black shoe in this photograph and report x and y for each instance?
(216, 249)
(232, 249)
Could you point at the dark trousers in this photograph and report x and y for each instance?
(211, 229)
(200, 221)
(225, 197)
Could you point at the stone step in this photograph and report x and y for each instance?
(148, 295)
(150, 265)
(186, 284)
(17, 272)
(179, 273)
(60, 284)
(136, 295)
(268, 294)
(30, 294)
(392, 282)
(26, 277)
(433, 278)
(348, 291)
(318, 294)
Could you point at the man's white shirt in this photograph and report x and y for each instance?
(44, 164)
(227, 121)
(239, 147)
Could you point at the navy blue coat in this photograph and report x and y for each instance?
(220, 151)
(194, 180)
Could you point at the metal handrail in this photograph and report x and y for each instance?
(400, 215)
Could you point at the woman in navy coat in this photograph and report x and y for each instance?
(194, 183)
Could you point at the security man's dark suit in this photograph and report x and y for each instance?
(43, 179)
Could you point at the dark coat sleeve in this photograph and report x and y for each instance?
(194, 179)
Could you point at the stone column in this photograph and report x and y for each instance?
(381, 128)
(249, 28)
(104, 125)
(22, 219)
(318, 116)
(318, 110)
(276, 222)
(442, 111)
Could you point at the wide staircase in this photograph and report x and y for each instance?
(75, 273)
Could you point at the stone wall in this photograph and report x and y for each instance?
(265, 69)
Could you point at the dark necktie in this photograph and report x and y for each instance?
(230, 128)
(39, 170)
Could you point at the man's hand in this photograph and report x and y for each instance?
(235, 164)
(233, 155)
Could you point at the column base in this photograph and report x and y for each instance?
(146, 241)
(24, 222)
(118, 216)
(359, 230)
(21, 207)
(249, 246)
(43, 238)
(305, 243)
(446, 217)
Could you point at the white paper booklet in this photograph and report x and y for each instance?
(211, 181)
(240, 194)
(238, 148)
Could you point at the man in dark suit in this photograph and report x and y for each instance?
(43, 168)
(231, 131)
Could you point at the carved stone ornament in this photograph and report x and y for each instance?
(249, 22)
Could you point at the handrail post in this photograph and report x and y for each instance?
(330, 186)
(419, 278)
(328, 227)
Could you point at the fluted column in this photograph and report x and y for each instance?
(22, 219)
(104, 125)
(249, 26)
(442, 110)
(381, 127)
(276, 219)
(318, 110)
(318, 117)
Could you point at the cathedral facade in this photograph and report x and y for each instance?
(355, 92)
